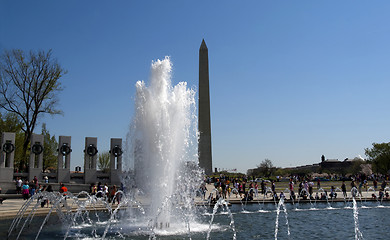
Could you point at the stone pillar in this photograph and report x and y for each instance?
(35, 166)
(90, 158)
(7, 154)
(64, 153)
(115, 160)
(204, 122)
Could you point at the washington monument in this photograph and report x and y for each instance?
(204, 124)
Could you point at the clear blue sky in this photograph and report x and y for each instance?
(289, 80)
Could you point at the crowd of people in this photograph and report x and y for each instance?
(305, 189)
(29, 188)
(227, 187)
(111, 193)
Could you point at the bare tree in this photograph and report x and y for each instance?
(29, 83)
(266, 167)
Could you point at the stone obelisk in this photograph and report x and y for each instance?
(204, 124)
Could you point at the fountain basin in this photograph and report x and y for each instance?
(256, 221)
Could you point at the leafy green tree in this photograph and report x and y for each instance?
(10, 123)
(104, 161)
(281, 172)
(379, 156)
(356, 167)
(50, 152)
(29, 83)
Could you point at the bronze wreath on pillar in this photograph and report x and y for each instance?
(65, 149)
(8, 147)
(37, 149)
(91, 150)
(117, 151)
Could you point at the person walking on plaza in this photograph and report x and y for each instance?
(64, 192)
(333, 193)
(383, 185)
(237, 187)
(48, 189)
(42, 199)
(112, 194)
(344, 189)
(105, 190)
(240, 191)
(115, 195)
(256, 189)
(360, 189)
(353, 184)
(35, 181)
(203, 190)
(311, 190)
(291, 188)
(223, 189)
(33, 187)
(19, 184)
(262, 187)
(365, 184)
(39, 189)
(273, 188)
(26, 190)
(306, 186)
(217, 183)
(300, 187)
(99, 190)
(63, 189)
(93, 189)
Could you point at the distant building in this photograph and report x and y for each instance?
(325, 164)
(335, 164)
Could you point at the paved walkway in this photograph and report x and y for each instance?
(11, 206)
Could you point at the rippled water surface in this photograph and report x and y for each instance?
(253, 221)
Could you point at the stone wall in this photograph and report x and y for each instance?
(63, 173)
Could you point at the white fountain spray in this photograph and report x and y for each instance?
(358, 233)
(163, 140)
(280, 205)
